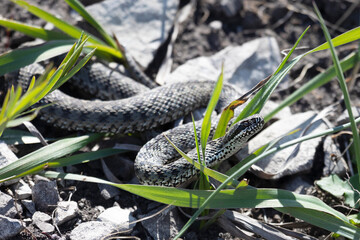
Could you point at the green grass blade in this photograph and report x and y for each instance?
(33, 31)
(45, 154)
(325, 221)
(349, 36)
(20, 120)
(314, 83)
(19, 58)
(72, 160)
(282, 200)
(78, 7)
(343, 86)
(60, 24)
(75, 69)
(259, 100)
(16, 137)
(206, 124)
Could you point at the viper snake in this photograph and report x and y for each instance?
(157, 163)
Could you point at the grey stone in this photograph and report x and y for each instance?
(231, 7)
(7, 206)
(92, 230)
(244, 66)
(292, 160)
(108, 191)
(29, 205)
(7, 157)
(298, 184)
(41, 220)
(45, 194)
(120, 218)
(165, 225)
(22, 190)
(65, 211)
(9, 227)
(139, 25)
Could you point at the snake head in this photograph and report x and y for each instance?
(245, 129)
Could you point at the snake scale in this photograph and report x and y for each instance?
(157, 163)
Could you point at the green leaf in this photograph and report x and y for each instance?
(300, 206)
(45, 154)
(339, 188)
(22, 57)
(206, 124)
(15, 137)
(343, 86)
(78, 7)
(33, 31)
(60, 24)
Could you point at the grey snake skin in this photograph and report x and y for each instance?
(140, 110)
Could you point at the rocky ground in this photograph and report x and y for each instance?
(77, 210)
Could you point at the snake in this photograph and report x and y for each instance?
(143, 108)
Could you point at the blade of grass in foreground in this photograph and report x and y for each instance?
(60, 24)
(240, 198)
(22, 57)
(340, 75)
(78, 7)
(45, 154)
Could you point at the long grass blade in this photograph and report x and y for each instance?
(33, 31)
(340, 75)
(60, 24)
(78, 7)
(19, 58)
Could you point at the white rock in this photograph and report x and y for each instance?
(140, 25)
(119, 217)
(65, 211)
(92, 230)
(287, 161)
(9, 227)
(22, 190)
(41, 220)
(40, 216)
(244, 66)
(7, 206)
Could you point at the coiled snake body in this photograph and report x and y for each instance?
(144, 109)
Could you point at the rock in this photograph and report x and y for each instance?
(244, 66)
(41, 220)
(344, 117)
(298, 184)
(333, 165)
(6, 157)
(22, 190)
(119, 217)
(291, 160)
(7, 206)
(231, 7)
(45, 194)
(9, 227)
(29, 205)
(108, 191)
(65, 211)
(92, 230)
(165, 225)
(141, 26)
